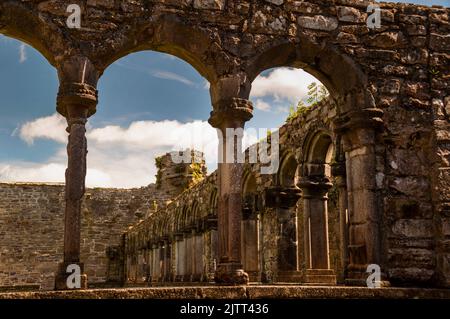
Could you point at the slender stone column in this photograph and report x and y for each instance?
(230, 114)
(180, 256)
(76, 101)
(284, 200)
(316, 230)
(339, 173)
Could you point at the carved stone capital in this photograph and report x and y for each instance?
(314, 187)
(81, 96)
(231, 113)
(282, 197)
(370, 118)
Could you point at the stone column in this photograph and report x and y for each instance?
(180, 256)
(76, 101)
(284, 200)
(339, 172)
(314, 194)
(211, 227)
(359, 129)
(229, 114)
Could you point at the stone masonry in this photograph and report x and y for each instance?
(382, 158)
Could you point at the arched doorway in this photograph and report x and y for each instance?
(315, 184)
(288, 257)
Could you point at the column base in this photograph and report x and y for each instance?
(320, 277)
(357, 276)
(62, 276)
(290, 276)
(230, 274)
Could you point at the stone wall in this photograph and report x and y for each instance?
(403, 177)
(32, 229)
(193, 214)
(390, 84)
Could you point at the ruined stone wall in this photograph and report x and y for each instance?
(169, 225)
(32, 229)
(400, 68)
(403, 180)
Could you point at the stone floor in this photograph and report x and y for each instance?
(241, 292)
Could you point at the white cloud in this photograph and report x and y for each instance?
(283, 84)
(281, 109)
(262, 106)
(32, 172)
(172, 76)
(118, 156)
(51, 127)
(22, 53)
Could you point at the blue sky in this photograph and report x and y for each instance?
(150, 103)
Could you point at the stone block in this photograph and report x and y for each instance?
(318, 22)
(413, 228)
(209, 4)
(440, 42)
(350, 14)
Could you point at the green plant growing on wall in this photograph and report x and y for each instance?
(197, 173)
(294, 112)
(316, 93)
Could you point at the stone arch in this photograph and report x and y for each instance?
(19, 22)
(315, 184)
(318, 153)
(213, 201)
(195, 212)
(287, 172)
(170, 34)
(179, 218)
(325, 62)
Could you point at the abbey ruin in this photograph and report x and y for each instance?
(364, 176)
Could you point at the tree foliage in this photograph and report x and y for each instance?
(316, 93)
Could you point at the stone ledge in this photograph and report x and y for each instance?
(241, 292)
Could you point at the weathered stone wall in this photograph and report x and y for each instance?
(194, 213)
(400, 199)
(32, 229)
(403, 180)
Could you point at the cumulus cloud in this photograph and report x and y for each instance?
(283, 84)
(50, 127)
(32, 172)
(118, 156)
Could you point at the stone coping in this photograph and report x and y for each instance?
(239, 292)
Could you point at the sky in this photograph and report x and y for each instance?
(149, 103)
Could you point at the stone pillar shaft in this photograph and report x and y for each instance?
(315, 206)
(359, 130)
(230, 115)
(339, 173)
(76, 101)
(75, 187)
(317, 249)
